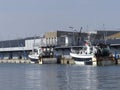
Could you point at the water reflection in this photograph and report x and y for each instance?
(41, 78)
(66, 77)
(58, 77)
(62, 77)
(108, 78)
(83, 78)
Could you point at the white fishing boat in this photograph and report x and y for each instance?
(85, 54)
(34, 56)
(41, 52)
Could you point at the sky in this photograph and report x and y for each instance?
(26, 18)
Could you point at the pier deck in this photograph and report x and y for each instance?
(15, 61)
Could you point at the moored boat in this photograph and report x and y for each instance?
(40, 53)
(34, 57)
(84, 55)
(104, 55)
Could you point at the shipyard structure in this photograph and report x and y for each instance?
(21, 48)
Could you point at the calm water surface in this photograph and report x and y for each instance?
(58, 77)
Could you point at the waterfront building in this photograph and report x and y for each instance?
(59, 38)
(18, 48)
(114, 36)
(21, 48)
(106, 33)
(67, 38)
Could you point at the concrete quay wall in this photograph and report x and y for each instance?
(67, 61)
(15, 61)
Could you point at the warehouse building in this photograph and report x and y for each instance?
(21, 48)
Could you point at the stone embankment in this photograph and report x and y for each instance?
(15, 61)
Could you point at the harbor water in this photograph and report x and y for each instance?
(58, 77)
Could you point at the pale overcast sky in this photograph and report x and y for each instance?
(24, 18)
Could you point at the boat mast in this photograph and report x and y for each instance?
(34, 44)
(79, 36)
(105, 33)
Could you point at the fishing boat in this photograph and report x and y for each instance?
(34, 56)
(41, 52)
(104, 55)
(85, 54)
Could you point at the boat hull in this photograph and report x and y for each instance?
(81, 56)
(34, 58)
(83, 62)
(82, 59)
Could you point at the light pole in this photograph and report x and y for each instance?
(105, 34)
(75, 37)
(72, 35)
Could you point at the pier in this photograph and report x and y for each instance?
(100, 62)
(15, 61)
(67, 61)
(53, 44)
(47, 61)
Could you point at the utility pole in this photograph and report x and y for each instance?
(105, 33)
(73, 40)
(79, 35)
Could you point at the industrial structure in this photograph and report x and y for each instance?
(21, 48)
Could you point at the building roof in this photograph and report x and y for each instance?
(114, 36)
